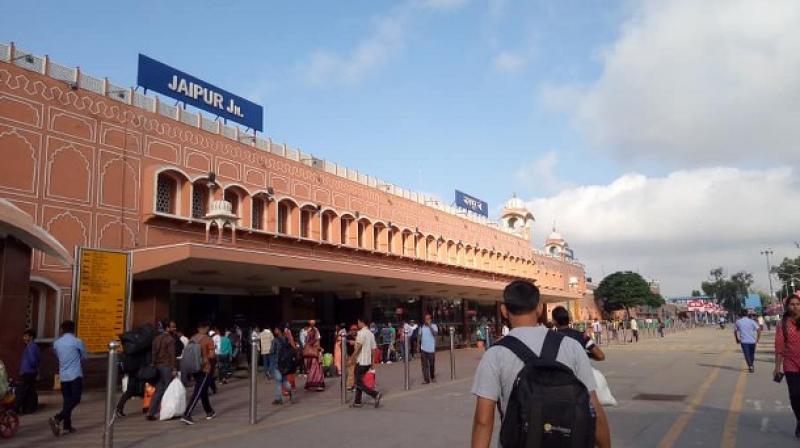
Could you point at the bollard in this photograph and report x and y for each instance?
(452, 354)
(254, 340)
(343, 363)
(406, 356)
(111, 389)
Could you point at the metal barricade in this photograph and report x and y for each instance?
(406, 360)
(343, 364)
(452, 353)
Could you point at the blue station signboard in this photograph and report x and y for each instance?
(471, 203)
(169, 81)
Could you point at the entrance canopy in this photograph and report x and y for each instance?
(320, 270)
(18, 224)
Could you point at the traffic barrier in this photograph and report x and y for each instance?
(111, 394)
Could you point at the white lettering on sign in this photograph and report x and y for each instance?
(197, 91)
(473, 203)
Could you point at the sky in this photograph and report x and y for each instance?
(660, 136)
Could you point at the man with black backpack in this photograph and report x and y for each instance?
(541, 382)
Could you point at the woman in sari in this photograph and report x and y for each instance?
(315, 379)
(287, 333)
(337, 349)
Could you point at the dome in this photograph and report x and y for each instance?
(555, 236)
(515, 203)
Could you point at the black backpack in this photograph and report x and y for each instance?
(548, 406)
(286, 358)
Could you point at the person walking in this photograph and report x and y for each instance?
(427, 349)
(747, 333)
(351, 360)
(498, 370)
(387, 340)
(284, 364)
(362, 356)
(205, 377)
(597, 328)
(265, 339)
(787, 354)
(70, 352)
(561, 319)
(165, 361)
(315, 378)
(287, 333)
(634, 330)
(225, 357)
(27, 399)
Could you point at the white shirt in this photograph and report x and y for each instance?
(217, 340)
(596, 327)
(367, 341)
(505, 330)
(634, 325)
(185, 342)
(266, 338)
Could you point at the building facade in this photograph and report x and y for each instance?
(232, 227)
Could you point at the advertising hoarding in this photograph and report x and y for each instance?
(169, 81)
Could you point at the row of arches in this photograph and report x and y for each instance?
(177, 194)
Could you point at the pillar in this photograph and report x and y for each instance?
(15, 264)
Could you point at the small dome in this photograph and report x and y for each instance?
(515, 203)
(555, 236)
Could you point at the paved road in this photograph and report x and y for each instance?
(686, 390)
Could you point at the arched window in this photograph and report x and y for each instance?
(343, 230)
(326, 226)
(361, 229)
(199, 199)
(166, 193)
(390, 236)
(305, 223)
(257, 213)
(232, 197)
(283, 218)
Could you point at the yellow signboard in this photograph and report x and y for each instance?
(102, 280)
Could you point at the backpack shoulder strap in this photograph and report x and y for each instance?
(517, 347)
(551, 345)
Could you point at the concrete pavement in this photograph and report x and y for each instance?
(686, 390)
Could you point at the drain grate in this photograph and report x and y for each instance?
(659, 397)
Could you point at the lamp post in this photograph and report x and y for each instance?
(767, 252)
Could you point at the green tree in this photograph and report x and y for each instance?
(622, 290)
(696, 293)
(788, 272)
(728, 292)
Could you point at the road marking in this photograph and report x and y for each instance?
(764, 424)
(669, 439)
(732, 422)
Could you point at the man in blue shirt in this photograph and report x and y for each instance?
(747, 333)
(28, 370)
(427, 348)
(70, 352)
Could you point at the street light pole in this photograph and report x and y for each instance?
(767, 252)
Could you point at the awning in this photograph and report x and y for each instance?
(18, 224)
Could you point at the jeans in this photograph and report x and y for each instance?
(362, 388)
(26, 390)
(749, 351)
(281, 382)
(599, 335)
(164, 378)
(793, 381)
(224, 367)
(71, 392)
(268, 361)
(428, 366)
(202, 382)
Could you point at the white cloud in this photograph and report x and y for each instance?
(678, 227)
(386, 40)
(508, 62)
(697, 82)
(541, 173)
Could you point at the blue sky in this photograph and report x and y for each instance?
(434, 112)
(660, 135)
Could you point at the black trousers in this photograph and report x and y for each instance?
(793, 381)
(71, 393)
(428, 366)
(26, 391)
(202, 381)
(362, 388)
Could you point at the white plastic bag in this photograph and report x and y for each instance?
(603, 392)
(174, 400)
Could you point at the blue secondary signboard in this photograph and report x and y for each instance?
(471, 203)
(169, 81)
